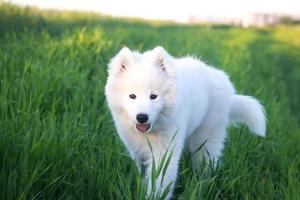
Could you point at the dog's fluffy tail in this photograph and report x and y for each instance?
(248, 110)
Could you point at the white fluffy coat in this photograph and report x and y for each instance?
(194, 101)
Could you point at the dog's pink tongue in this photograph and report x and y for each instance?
(142, 127)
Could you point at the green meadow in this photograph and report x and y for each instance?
(57, 138)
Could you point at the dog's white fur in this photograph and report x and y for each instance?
(196, 102)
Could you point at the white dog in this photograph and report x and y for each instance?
(157, 100)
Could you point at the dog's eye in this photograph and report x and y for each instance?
(132, 96)
(153, 96)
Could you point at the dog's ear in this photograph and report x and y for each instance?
(125, 56)
(121, 61)
(161, 59)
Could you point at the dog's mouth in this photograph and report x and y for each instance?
(142, 127)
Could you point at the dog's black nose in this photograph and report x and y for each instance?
(142, 118)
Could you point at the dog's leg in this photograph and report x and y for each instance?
(167, 176)
(142, 162)
(207, 144)
(215, 144)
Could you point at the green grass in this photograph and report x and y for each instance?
(57, 139)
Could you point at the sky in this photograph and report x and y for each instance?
(179, 10)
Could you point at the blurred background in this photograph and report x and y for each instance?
(231, 12)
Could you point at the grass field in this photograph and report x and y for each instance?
(57, 139)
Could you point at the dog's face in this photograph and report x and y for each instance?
(140, 86)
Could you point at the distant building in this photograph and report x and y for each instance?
(194, 19)
(260, 19)
(247, 20)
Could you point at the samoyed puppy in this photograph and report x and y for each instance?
(161, 105)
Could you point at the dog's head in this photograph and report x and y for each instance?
(141, 87)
